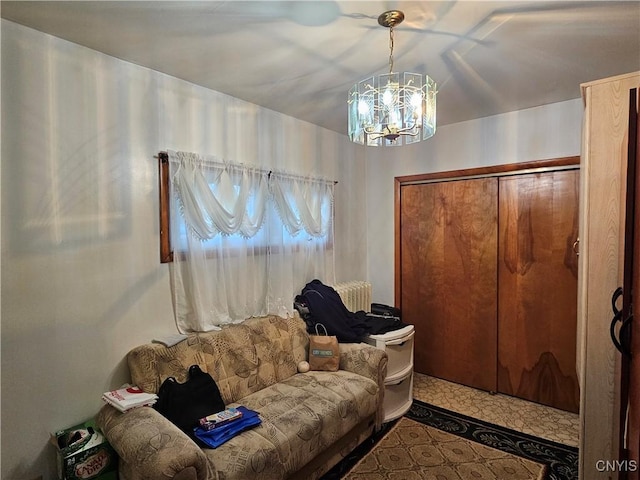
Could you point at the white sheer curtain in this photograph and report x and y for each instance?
(245, 240)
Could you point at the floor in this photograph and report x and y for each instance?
(517, 414)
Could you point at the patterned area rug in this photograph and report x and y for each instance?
(413, 451)
(391, 451)
(561, 460)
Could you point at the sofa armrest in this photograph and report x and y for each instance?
(151, 446)
(369, 362)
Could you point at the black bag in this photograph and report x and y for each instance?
(185, 403)
(385, 310)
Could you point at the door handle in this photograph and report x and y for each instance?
(622, 339)
(614, 300)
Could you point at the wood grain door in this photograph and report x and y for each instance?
(537, 285)
(448, 235)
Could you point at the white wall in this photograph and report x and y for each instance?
(550, 131)
(81, 279)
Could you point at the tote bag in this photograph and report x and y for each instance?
(324, 353)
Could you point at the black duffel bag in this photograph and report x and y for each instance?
(185, 403)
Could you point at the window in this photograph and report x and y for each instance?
(167, 249)
(241, 241)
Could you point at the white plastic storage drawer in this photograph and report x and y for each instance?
(398, 398)
(399, 347)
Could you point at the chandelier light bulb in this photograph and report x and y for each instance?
(363, 108)
(416, 100)
(387, 97)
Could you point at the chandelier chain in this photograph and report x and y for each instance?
(391, 49)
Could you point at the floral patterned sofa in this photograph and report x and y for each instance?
(310, 421)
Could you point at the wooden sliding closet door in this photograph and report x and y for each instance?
(448, 278)
(537, 288)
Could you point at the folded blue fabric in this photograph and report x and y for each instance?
(217, 436)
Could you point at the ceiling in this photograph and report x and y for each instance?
(301, 57)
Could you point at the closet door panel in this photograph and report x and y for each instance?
(448, 278)
(537, 288)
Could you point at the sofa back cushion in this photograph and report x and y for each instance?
(242, 358)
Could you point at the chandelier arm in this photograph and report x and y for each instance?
(403, 131)
(406, 131)
(371, 131)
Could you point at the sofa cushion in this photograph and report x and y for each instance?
(301, 417)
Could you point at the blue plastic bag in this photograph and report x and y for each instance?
(219, 435)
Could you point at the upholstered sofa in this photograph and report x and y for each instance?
(310, 421)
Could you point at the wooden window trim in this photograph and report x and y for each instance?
(166, 253)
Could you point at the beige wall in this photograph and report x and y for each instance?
(81, 279)
(81, 282)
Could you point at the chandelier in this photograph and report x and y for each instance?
(386, 108)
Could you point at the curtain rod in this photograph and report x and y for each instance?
(164, 158)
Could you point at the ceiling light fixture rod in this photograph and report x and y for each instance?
(390, 19)
(390, 49)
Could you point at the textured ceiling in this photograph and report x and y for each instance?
(301, 58)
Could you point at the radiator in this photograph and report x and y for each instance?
(356, 295)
